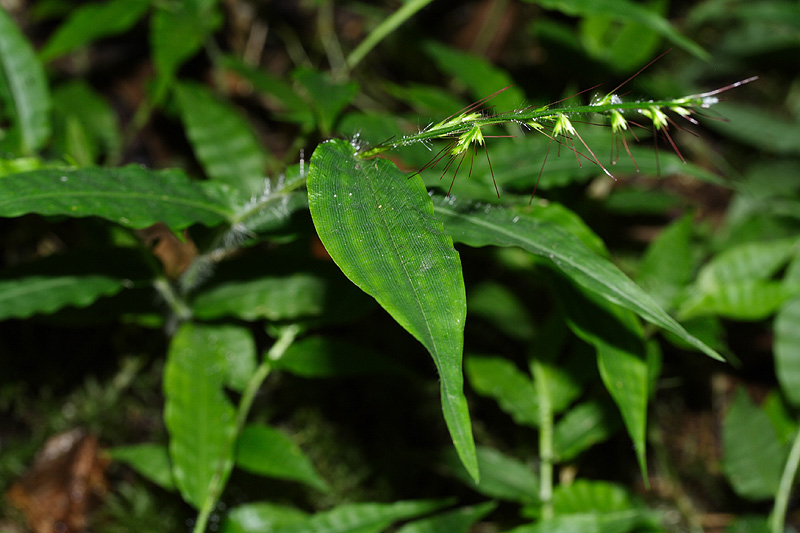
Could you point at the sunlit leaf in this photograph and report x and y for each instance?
(379, 228)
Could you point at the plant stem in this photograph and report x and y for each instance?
(277, 350)
(778, 517)
(545, 439)
(383, 29)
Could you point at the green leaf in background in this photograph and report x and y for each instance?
(261, 517)
(90, 22)
(378, 226)
(457, 521)
(149, 460)
(502, 477)
(741, 300)
(483, 225)
(625, 10)
(752, 457)
(363, 517)
(787, 350)
(667, 265)
(77, 105)
(222, 139)
(322, 357)
(583, 426)
(500, 379)
(268, 452)
(237, 345)
(758, 128)
(499, 306)
(177, 32)
(200, 419)
(130, 196)
(326, 97)
(481, 77)
(24, 297)
(23, 92)
(617, 336)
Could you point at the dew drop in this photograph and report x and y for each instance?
(63, 178)
(515, 220)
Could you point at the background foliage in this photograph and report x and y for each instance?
(202, 274)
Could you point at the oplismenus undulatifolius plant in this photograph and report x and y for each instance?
(210, 258)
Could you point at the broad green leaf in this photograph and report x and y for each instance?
(378, 226)
(787, 350)
(200, 419)
(237, 345)
(24, 297)
(478, 74)
(72, 279)
(90, 22)
(77, 103)
(326, 97)
(483, 225)
(752, 457)
(667, 264)
(363, 517)
(23, 92)
(149, 460)
(500, 379)
(751, 261)
(222, 139)
(617, 336)
(457, 521)
(177, 32)
(583, 426)
(741, 300)
(277, 293)
(625, 10)
(266, 451)
(322, 357)
(261, 517)
(130, 196)
(499, 306)
(502, 477)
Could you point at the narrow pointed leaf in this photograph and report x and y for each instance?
(583, 426)
(130, 196)
(93, 21)
(482, 225)
(23, 297)
(456, 521)
(23, 91)
(266, 451)
(200, 419)
(363, 517)
(379, 228)
(223, 141)
(500, 379)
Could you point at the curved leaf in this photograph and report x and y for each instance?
(90, 22)
(378, 226)
(23, 91)
(787, 350)
(502, 476)
(149, 460)
(363, 517)
(456, 521)
(199, 417)
(500, 379)
(583, 426)
(483, 225)
(23, 297)
(261, 517)
(266, 451)
(130, 196)
(223, 140)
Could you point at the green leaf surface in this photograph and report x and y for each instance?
(583, 426)
(23, 92)
(667, 265)
(621, 358)
(500, 379)
(379, 228)
(326, 97)
(625, 10)
(499, 306)
(130, 196)
(483, 225)
(261, 517)
(266, 451)
(457, 521)
(322, 357)
(200, 419)
(502, 477)
(76, 104)
(24, 297)
(752, 457)
(238, 347)
(222, 139)
(787, 350)
(149, 460)
(478, 74)
(363, 517)
(762, 129)
(90, 22)
(741, 300)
